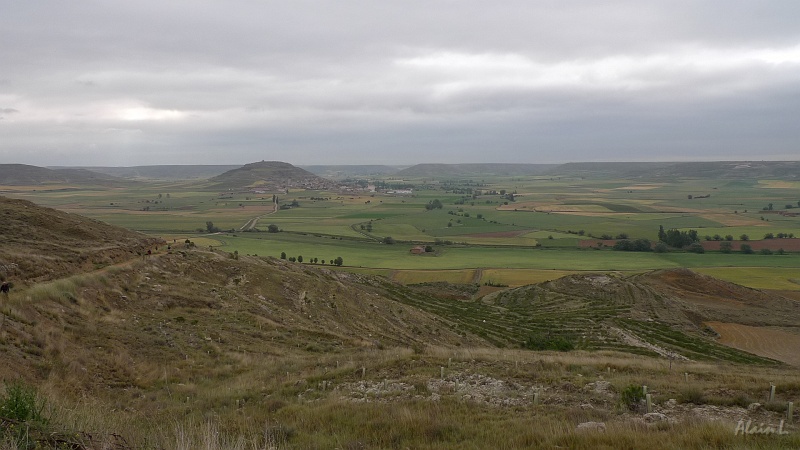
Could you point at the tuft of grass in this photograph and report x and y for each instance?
(22, 404)
(23, 414)
(692, 395)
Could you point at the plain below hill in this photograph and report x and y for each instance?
(163, 172)
(270, 176)
(26, 175)
(671, 170)
(336, 172)
(462, 170)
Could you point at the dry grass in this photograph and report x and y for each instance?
(195, 350)
(280, 402)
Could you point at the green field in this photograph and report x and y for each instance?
(758, 277)
(538, 230)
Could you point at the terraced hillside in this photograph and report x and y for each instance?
(658, 313)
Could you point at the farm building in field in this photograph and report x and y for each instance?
(418, 250)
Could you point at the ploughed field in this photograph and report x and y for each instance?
(763, 341)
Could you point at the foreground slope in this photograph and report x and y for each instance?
(42, 244)
(189, 348)
(81, 284)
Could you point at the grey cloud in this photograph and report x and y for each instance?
(363, 81)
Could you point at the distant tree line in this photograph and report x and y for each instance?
(338, 261)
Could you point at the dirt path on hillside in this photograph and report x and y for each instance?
(250, 224)
(476, 278)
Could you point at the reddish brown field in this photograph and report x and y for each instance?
(767, 342)
(586, 243)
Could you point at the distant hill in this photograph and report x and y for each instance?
(453, 170)
(733, 169)
(700, 169)
(166, 172)
(270, 175)
(334, 172)
(25, 175)
(607, 169)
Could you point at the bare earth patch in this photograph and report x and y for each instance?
(777, 184)
(641, 187)
(767, 342)
(499, 234)
(586, 243)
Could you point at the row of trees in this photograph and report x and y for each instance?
(690, 242)
(770, 206)
(727, 247)
(338, 261)
(779, 236)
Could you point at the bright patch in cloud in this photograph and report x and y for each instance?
(450, 73)
(150, 114)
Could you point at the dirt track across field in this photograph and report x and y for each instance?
(499, 234)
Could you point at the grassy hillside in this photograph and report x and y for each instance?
(40, 244)
(25, 175)
(193, 348)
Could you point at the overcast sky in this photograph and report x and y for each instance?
(397, 82)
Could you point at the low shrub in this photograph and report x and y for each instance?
(631, 397)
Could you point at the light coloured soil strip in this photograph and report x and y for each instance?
(499, 234)
(767, 342)
(631, 339)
